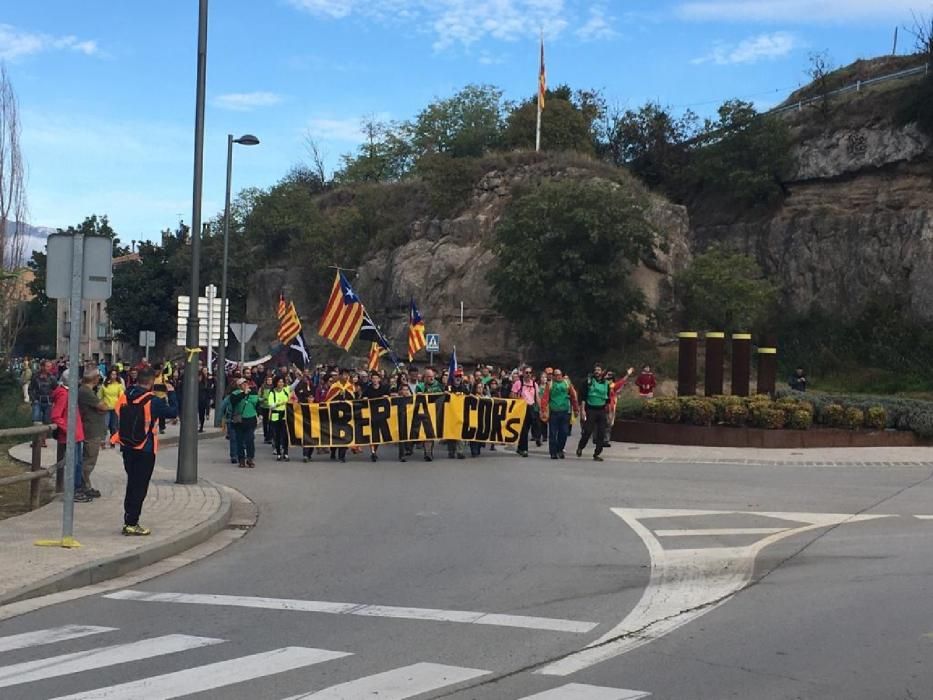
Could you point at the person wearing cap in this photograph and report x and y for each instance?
(457, 386)
(244, 414)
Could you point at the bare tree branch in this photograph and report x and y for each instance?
(317, 157)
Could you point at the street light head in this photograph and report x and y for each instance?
(247, 140)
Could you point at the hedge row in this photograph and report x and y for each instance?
(796, 412)
(900, 414)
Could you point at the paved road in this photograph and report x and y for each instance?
(492, 579)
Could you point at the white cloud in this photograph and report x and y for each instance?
(598, 26)
(454, 22)
(341, 130)
(797, 11)
(751, 50)
(246, 101)
(16, 43)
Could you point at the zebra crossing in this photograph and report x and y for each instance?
(408, 681)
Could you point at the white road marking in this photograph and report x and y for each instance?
(713, 532)
(924, 517)
(460, 616)
(579, 691)
(685, 583)
(49, 636)
(101, 657)
(216, 675)
(398, 684)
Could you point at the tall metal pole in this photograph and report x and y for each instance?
(74, 351)
(220, 377)
(187, 471)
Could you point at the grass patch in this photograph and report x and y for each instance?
(14, 499)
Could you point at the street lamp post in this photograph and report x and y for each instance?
(220, 378)
(187, 470)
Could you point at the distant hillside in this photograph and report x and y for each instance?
(861, 70)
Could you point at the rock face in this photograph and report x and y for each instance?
(445, 263)
(856, 224)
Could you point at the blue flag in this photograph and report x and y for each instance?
(452, 368)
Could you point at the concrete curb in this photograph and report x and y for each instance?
(121, 564)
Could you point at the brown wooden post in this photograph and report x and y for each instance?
(767, 366)
(687, 364)
(741, 363)
(35, 484)
(715, 349)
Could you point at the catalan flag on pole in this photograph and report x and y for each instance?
(416, 337)
(377, 350)
(542, 79)
(289, 323)
(343, 314)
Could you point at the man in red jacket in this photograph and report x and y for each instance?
(59, 418)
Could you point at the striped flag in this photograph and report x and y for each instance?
(282, 307)
(343, 314)
(376, 350)
(289, 323)
(542, 79)
(416, 339)
(452, 367)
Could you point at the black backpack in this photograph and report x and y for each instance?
(136, 421)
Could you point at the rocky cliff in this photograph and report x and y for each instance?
(444, 264)
(856, 224)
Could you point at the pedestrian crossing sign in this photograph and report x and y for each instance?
(433, 342)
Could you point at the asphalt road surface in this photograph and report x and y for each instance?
(502, 578)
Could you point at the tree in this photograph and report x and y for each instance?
(465, 125)
(743, 157)
(819, 71)
(13, 214)
(652, 143)
(568, 122)
(38, 334)
(725, 291)
(143, 295)
(384, 156)
(564, 253)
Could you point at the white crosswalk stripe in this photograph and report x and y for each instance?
(49, 636)
(320, 606)
(579, 691)
(76, 662)
(211, 676)
(398, 684)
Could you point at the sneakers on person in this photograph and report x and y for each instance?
(597, 458)
(579, 452)
(93, 493)
(82, 497)
(278, 458)
(233, 460)
(242, 464)
(306, 459)
(553, 456)
(373, 457)
(461, 456)
(428, 458)
(523, 453)
(561, 455)
(136, 530)
(251, 464)
(285, 457)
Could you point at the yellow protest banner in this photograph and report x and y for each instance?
(405, 419)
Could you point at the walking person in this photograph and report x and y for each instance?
(205, 394)
(303, 392)
(59, 418)
(615, 388)
(277, 400)
(455, 447)
(110, 394)
(524, 388)
(479, 391)
(244, 413)
(429, 385)
(558, 402)
(139, 410)
(40, 394)
(93, 412)
(595, 392)
(375, 390)
(341, 389)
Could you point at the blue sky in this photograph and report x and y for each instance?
(106, 89)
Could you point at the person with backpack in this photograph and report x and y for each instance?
(244, 415)
(595, 394)
(139, 411)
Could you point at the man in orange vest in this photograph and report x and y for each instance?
(139, 411)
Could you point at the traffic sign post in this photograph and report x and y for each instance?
(78, 267)
(432, 344)
(210, 292)
(243, 332)
(147, 340)
(207, 315)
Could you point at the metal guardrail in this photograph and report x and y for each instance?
(854, 87)
(36, 471)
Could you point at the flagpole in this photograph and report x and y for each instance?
(540, 96)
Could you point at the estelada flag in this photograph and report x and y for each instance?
(416, 333)
(289, 323)
(542, 79)
(343, 314)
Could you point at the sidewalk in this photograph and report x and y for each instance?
(179, 516)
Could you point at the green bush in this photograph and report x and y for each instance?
(799, 419)
(876, 418)
(699, 411)
(921, 422)
(832, 415)
(669, 410)
(14, 412)
(631, 407)
(853, 418)
(652, 409)
(735, 415)
(720, 403)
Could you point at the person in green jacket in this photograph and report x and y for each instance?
(244, 410)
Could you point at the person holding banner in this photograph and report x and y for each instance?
(375, 390)
(340, 390)
(524, 388)
(455, 447)
(429, 385)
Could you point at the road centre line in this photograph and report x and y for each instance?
(101, 657)
(397, 684)
(210, 676)
(712, 532)
(427, 614)
(580, 691)
(50, 636)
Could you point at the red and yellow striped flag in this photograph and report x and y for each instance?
(416, 336)
(289, 323)
(343, 314)
(542, 79)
